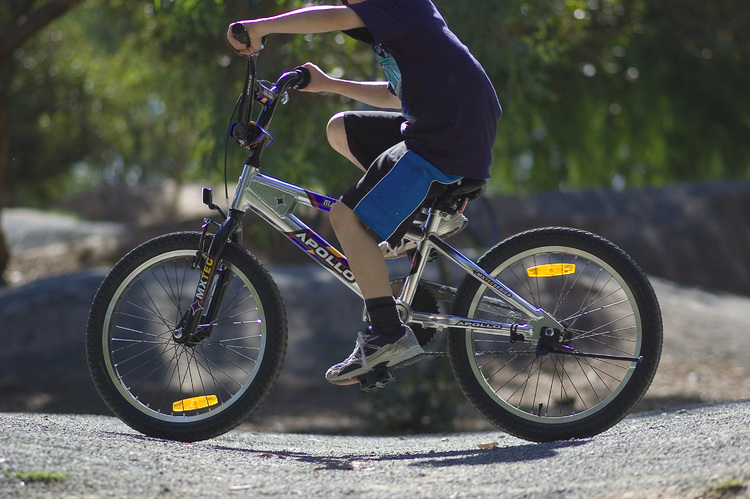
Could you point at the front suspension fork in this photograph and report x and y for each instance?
(195, 324)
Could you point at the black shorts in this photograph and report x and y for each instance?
(369, 133)
(397, 181)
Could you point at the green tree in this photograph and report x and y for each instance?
(614, 92)
(144, 91)
(595, 92)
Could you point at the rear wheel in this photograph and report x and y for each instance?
(607, 308)
(162, 385)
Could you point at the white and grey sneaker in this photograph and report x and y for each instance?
(374, 349)
(448, 227)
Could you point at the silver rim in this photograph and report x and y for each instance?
(596, 306)
(152, 371)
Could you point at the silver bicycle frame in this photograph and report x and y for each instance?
(275, 201)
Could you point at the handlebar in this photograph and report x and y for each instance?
(240, 33)
(247, 133)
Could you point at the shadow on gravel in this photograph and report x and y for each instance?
(433, 459)
(653, 403)
(498, 455)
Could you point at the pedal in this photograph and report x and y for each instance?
(377, 378)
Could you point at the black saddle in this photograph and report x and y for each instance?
(455, 195)
(470, 188)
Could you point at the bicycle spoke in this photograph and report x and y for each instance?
(601, 338)
(202, 374)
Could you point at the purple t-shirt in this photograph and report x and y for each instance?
(446, 95)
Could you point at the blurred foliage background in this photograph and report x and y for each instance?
(614, 93)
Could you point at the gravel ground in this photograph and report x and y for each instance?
(699, 451)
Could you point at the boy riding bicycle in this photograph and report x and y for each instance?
(444, 132)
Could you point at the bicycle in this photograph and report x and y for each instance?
(554, 333)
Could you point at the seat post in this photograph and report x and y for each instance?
(424, 247)
(434, 219)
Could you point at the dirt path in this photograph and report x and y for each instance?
(700, 451)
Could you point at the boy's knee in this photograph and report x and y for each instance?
(336, 133)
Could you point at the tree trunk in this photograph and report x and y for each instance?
(4, 146)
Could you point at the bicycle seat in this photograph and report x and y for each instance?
(470, 188)
(459, 193)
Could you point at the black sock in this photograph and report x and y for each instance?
(383, 315)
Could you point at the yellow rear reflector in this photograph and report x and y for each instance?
(551, 270)
(195, 403)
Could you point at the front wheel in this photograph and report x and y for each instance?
(608, 309)
(170, 388)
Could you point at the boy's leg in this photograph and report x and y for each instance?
(383, 202)
(387, 341)
(361, 137)
(362, 252)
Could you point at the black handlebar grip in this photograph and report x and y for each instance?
(240, 33)
(305, 76)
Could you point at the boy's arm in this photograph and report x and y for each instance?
(373, 93)
(317, 19)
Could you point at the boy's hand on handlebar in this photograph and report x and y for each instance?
(319, 81)
(254, 38)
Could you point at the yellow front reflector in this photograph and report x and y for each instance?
(195, 403)
(551, 270)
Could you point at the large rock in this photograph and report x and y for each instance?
(695, 234)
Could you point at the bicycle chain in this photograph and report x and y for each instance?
(436, 354)
(478, 354)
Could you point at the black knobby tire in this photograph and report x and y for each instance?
(184, 391)
(606, 305)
